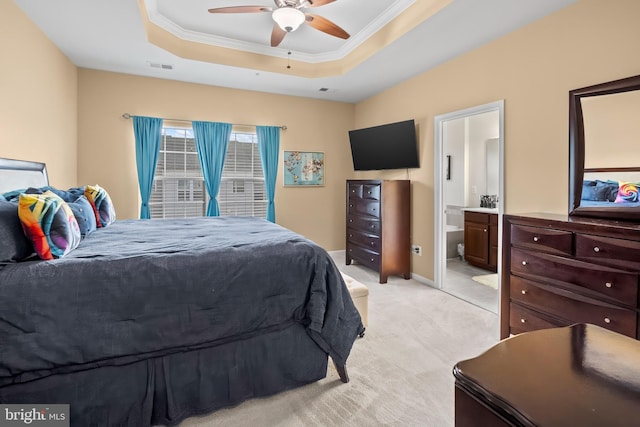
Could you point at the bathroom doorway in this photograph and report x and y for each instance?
(469, 171)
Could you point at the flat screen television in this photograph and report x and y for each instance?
(390, 146)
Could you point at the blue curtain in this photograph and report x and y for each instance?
(269, 146)
(148, 133)
(211, 141)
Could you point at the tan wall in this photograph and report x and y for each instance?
(38, 98)
(106, 154)
(532, 69)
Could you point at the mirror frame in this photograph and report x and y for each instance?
(577, 151)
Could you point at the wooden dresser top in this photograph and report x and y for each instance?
(580, 375)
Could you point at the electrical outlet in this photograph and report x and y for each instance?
(415, 249)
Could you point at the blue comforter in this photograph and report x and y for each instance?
(145, 288)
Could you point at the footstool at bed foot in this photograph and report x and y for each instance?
(360, 296)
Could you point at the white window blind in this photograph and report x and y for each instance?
(178, 186)
(242, 191)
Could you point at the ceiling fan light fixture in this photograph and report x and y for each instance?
(288, 18)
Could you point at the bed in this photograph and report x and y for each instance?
(611, 188)
(149, 322)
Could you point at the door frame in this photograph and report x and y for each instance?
(440, 238)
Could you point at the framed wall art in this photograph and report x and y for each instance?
(303, 168)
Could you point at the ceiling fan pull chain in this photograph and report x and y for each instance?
(288, 60)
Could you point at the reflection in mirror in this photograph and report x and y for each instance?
(604, 161)
(493, 165)
(611, 130)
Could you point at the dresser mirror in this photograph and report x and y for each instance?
(604, 154)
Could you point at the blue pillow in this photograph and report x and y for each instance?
(588, 190)
(606, 191)
(83, 211)
(14, 245)
(2, 199)
(69, 195)
(11, 196)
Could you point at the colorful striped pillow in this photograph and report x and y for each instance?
(49, 223)
(627, 192)
(101, 204)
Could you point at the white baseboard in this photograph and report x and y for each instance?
(424, 280)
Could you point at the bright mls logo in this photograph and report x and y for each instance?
(34, 415)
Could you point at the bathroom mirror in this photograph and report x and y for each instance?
(492, 148)
(604, 154)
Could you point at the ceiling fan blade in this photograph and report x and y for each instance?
(316, 3)
(326, 26)
(277, 35)
(241, 9)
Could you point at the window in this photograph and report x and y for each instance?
(242, 190)
(178, 186)
(238, 186)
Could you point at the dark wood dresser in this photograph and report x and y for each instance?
(559, 270)
(378, 226)
(581, 375)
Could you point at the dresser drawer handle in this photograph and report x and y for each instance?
(372, 259)
(607, 320)
(524, 292)
(524, 262)
(350, 235)
(350, 206)
(368, 192)
(350, 220)
(373, 243)
(608, 284)
(596, 249)
(373, 226)
(523, 320)
(485, 230)
(536, 238)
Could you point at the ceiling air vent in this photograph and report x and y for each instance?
(324, 89)
(163, 66)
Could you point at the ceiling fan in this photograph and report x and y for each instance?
(288, 16)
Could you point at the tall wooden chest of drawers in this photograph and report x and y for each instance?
(378, 226)
(560, 270)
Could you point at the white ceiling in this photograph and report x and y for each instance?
(109, 35)
(251, 32)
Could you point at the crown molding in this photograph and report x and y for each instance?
(380, 21)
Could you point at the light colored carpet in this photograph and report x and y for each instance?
(490, 280)
(400, 371)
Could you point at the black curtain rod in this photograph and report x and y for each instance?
(128, 116)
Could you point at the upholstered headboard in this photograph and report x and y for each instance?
(18, 174)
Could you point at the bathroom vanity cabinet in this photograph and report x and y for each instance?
(481, 238)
